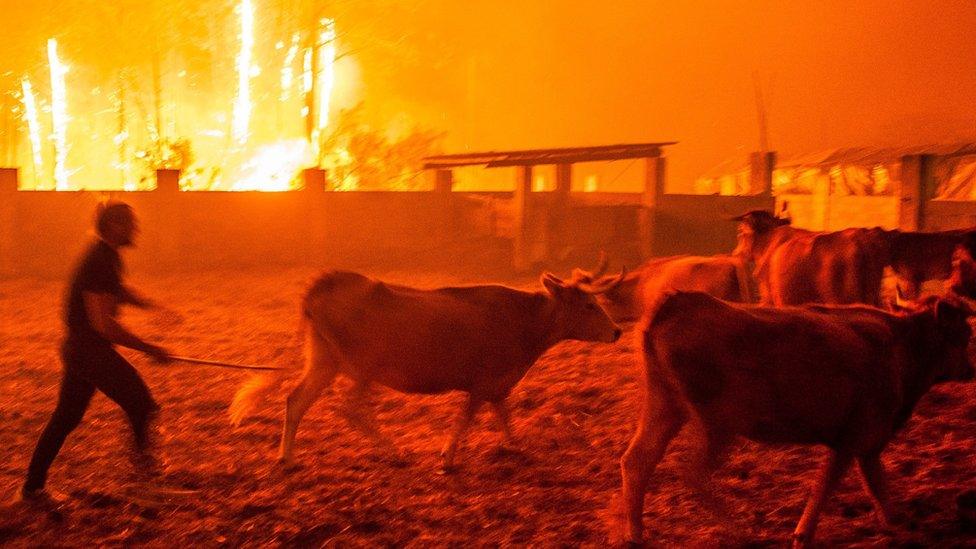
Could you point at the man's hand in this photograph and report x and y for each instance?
(158, 354)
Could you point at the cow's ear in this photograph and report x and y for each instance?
(551, 283)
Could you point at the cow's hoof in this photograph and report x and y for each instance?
(801, 540)
(286, 463)
(447, 469)
(626, 539)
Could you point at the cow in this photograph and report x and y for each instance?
(920, 256)
(846, 377)
(796, 266)
(722, 276)
(476, 339)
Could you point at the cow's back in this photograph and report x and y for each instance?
(843, 267)
(719, 276)
(423, 341)
(780, 375)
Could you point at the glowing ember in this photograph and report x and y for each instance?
(242, 107)
(33, 126)
(273, 167)
(59, 115)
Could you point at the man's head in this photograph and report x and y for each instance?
(116, 223)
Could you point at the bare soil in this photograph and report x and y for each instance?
(572, 414)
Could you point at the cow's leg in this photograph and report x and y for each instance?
(502, 415)
(834, 468)
(661, 419)
(715, 439)
(357, 409)
(299, 402)
(873, 475)
(463, 421)
(319, 372)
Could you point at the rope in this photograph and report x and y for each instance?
(223, 364)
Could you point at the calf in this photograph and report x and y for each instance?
(476, 339)
(844, 377)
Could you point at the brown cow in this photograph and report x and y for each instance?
(722, 276)
(796, 266)
(476, 339)
(847, 377)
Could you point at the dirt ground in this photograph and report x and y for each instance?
(572, 415)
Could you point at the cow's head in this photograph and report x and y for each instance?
(576, 312)
(944, 327)
(752, 234)
(620, 298)
(963, 277)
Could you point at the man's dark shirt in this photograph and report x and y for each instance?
(99, 272)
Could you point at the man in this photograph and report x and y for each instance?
(89, 358)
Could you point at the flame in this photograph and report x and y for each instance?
(272, 167)
(327, 54)
(59, 115)
(288, 70)
(242, 106)
(33, 126)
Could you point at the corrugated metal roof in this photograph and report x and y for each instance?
(533, 157)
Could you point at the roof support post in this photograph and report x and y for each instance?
(654, 173)
(761, 166)
(911, 190)
(521, 245)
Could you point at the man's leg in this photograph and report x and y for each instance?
(73, 399)
(111, 374)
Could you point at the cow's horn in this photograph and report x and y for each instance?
(900, 300)
(601, 266)
(603, 286)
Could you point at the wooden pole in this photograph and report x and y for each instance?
(521, 248)
(654, 174)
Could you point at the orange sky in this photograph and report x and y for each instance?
(551, 73)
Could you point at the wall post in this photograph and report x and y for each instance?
(315, 184)
(9, 181)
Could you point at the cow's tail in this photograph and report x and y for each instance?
(260, 386)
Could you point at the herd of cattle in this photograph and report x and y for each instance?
(816, 361)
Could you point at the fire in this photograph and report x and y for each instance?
(272, 167)
(242, 106)
(327, 54)
(33, 126)
(288, 70)
(59, 115)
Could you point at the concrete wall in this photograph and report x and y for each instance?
(44, 231)
(817, 213)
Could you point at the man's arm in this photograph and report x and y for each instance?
(132, 297)
(101, 312)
